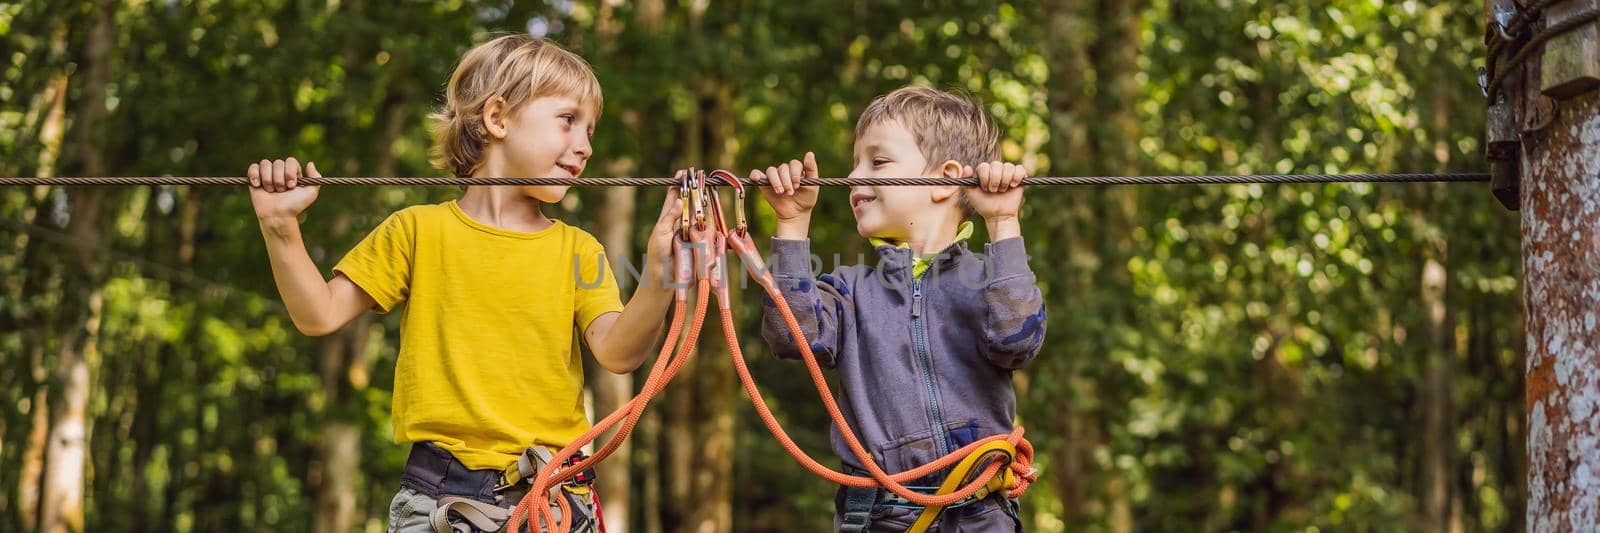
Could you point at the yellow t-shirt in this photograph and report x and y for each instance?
(489, 362)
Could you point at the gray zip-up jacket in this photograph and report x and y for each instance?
(924, 364)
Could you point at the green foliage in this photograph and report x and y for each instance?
(1232, 357)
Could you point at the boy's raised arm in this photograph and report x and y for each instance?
(316, 306)
(1014, 315)
(815, 303)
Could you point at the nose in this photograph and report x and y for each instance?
(580, 145)
(858, 171)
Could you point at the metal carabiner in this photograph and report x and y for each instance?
(683, 198)
(1502, 21)
(740, 224)
(697, 188)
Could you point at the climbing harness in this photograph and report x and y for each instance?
(471, 500)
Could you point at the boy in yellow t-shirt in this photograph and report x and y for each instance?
(494, 290)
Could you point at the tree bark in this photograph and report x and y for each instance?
(714, 382)
(1561, 265)
(613, 391)
(52, 132)
(651, 453)
(1093, 129)
(1070, 29)
(78, 324)
(344, 362)
(614, 225)
(1438, 427)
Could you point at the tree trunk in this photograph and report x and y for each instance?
(344, 364)
(1438, 428)
(78, 324)
(1561, 264)
(1070, 27)
(614, 225)
(33, 459)
(612, 391)
(338, 461)
(1093, 129)
(714, 382)
(51, 133)
(651, 454)
(1116, 147)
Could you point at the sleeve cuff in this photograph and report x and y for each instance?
(1007, 258)
(386, 301)
(588, 318)
(791, 257)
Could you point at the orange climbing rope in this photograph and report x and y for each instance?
(628, 415)
(700, 253)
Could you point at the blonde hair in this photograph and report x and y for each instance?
(516, 68)
(945, 126)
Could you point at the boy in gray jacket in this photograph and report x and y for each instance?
(924, 342)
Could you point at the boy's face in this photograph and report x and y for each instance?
(549, 137)
(887, 149)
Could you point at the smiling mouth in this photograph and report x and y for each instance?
(858, 200)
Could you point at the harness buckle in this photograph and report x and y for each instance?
(584, 478)
(537, 458)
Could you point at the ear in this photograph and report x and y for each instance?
(494, 117)
(949, 169)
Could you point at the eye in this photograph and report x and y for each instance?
(879, 161)
(569, 118)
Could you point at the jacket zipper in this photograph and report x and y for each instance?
(925, 365)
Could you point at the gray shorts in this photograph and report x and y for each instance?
(411, 510)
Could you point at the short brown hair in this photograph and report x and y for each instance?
(945, 126)
(517, 68)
